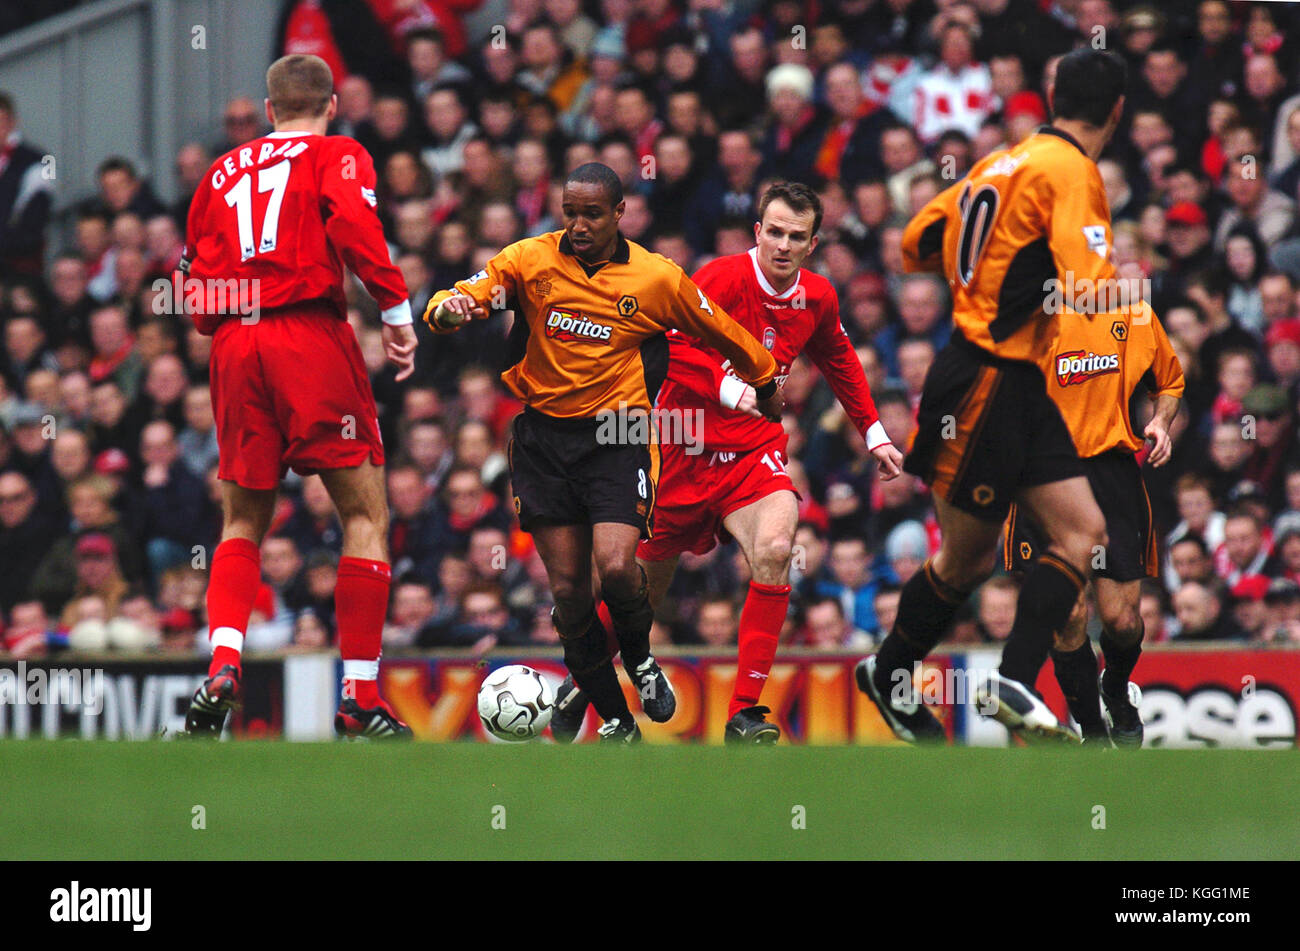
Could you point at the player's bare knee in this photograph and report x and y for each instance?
(1068, 640)
(620, 575)
(772, 559)
(1125, 628)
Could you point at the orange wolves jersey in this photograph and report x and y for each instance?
(587, 338)
(1096, 366)
(1021, 219)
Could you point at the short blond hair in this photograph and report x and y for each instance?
(299, 86)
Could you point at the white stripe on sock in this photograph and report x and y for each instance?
(361, 670)
(227, 637)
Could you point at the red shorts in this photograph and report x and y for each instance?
(695, 493)
(291, 390)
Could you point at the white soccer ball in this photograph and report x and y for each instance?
(515, 703)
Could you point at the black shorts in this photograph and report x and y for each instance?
(561, 474)
(986, 428)
(1116, 481)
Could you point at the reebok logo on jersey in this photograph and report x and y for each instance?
(1079, 366)
(566, 325)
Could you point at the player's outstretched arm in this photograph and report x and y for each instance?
(448, 314)
(700, 370)
(476, 297)
(354, 230)
(693, 313)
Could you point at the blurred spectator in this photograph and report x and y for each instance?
(850, 581)
(1199, 609)
(25, 535)
(482, 622)
(412, 608)
(1151, 606)
(1248, 610)
(1189, 560)
(97, 574)
(790, 146)
(122, 190)
(957, 92)
(26, 196)
(30, 631)
(25, 349)
(172, 501)
(906, 549)
(314, 523)
(827, 628)
(1270, 213)
(922, 309)
(716, 622)
(1245, 549)
(1281, 623)
(90, 505)
(997, 607)
(426, 55)
(550, 69)
(115, 355)
(426, 447)
(411, 538)
(886, 608)
(197, 441)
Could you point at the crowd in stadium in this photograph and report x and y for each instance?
(107, 446)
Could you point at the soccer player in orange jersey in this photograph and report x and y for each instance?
(988, 434)
(589, 352)
(731, 480)
(1097, 365)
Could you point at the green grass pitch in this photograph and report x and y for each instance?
(76, 800)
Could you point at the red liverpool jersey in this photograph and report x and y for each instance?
(805, 318)
(275, 221)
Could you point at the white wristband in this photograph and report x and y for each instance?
(398, 315)
(876, 436)
(732, 391)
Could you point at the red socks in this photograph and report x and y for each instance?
(232, 586)
(360, 606)
(761, 620)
